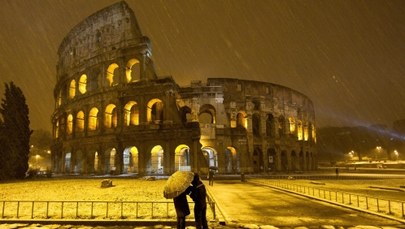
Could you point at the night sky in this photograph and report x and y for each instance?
(346, 55)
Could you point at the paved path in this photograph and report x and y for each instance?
(249, 203)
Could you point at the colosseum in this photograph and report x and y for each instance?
(114, 115)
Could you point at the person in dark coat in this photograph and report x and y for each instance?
(199, 195)
(182, 209)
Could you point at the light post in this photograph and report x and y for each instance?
(396, 154)
(36, 160)
(378, 150)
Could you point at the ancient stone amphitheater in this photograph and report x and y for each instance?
(114, 115)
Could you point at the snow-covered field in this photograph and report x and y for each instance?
(85, 198)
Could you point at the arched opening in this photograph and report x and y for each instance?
(207, 114)
(70, 124)
(232, 162)
(256, 125)
(299, 130)
(155, 111)
(185, 113)
(110, 166)
(284, 161)
(281, 126)
(270, 125)
(83, 84)
(294, 161)
(79, 162)
(131, 114)
(131, 160)
(112, 76)
(57, 129)
(210, 155)
(72, 89)
(182, 158)
(68, 159)
(110, 116)
(96, 163)
(93, 119)
(133, 70)
(241, 120)
(80, 121)
(155, 163)
(306, 132)
(258, 160)
(291, 121)
(271, 154)
(313, 131)
(59, 100)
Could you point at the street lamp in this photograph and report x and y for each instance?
(396, 154)
(378, 150)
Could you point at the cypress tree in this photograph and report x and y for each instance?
(16, 127)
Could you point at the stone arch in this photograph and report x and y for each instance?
(207, 114)
(133, 70)
(294, 161)
(69, 124)
(93, 122)
(270, 125)
(256, 124)
(131, 114)
(210, 155)
(258, 159)
(154, 111)
(291, 122)
(182, 158)
(96, 162)
(110, 160)
(78, 162)
(155, 163)
(80, 121)
(72, 89)
(131, 160)
(284, 161)
(241, 120)
(232, 160)
(272, 159)
(185, 114)
(67, 162)
(83, 84)
(110, 116)
(112, 75)
(300, 130)
(302, 164)
(281, 126)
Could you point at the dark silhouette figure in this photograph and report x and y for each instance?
(199, 195)
(211, 177)
(182, 209)
(337, 172)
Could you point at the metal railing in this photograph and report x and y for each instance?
(22, 209)
(392, 208)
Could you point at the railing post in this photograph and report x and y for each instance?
(389, 207)
(152, 210)
(47, 209)
(4, 205)
(77, 209)
(92, 205)
(366, 202)
(403, 215)
(137, 210)
(61, 210)
(18, 209)
(32, 210)
(122, 210)
(106, 211)
(378, 205)
(167, 209)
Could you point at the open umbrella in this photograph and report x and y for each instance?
(177, 183)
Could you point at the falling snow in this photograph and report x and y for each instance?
(347, 56)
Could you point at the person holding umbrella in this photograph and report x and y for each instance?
(177, 187)
(199, 195)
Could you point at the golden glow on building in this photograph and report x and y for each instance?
(83, 84)
(132, 70)
(154, 110)
(131, 114)
(299, 130)
(110, 116)
(292, 124)
(111, 74)
(72, 89)
(93, 120)
(80, 121)
(70, 124)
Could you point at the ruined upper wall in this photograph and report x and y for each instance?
(109, 29)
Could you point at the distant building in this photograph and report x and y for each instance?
(114, 115)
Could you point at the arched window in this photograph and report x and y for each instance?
(112, 78)
(110, 116)
(83, 84)
(70, 124)
(270, 125)
(72, 89)
(291, 121)
(93, 119)
(299, 130)
(132, 70)
(207, 114)
(131, 114)
(80, 121)
(306, 132)
(256, 125)
(241, 120)
(59, 101)
(154, 111)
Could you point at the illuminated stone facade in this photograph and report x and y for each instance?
(114, 115)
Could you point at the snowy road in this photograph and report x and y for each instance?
(249, 203)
